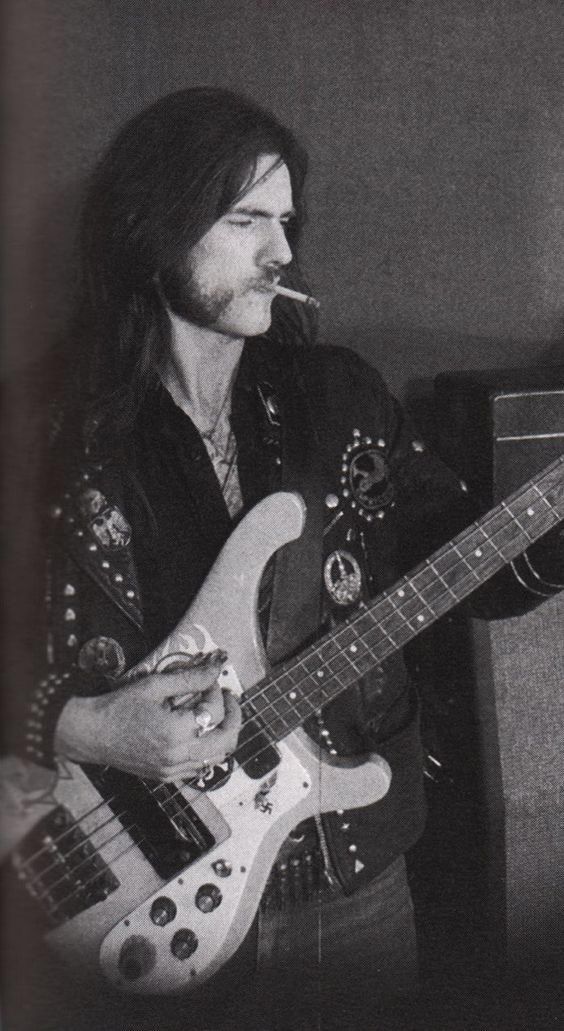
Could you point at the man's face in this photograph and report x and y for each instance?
(226, 283)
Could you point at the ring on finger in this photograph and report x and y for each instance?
(204, 720)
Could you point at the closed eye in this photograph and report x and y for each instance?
(242, 216)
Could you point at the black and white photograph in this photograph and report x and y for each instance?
(282, 515)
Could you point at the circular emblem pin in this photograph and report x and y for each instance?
(365, 477)
(369, 479)
(102, 655)
(342, 577)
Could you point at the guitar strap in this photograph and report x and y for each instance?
(296, 590)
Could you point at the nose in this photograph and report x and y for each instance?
(275, 248)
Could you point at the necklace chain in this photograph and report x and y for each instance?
(212, 434)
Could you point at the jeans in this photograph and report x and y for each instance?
(338, 964)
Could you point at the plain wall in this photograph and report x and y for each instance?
(436, 237)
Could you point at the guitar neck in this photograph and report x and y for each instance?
(303, 684)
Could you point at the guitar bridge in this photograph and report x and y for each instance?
(60, 868)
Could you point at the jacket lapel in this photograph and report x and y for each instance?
(99, 540)
(296, 592)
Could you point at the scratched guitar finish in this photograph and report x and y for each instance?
(160, 902)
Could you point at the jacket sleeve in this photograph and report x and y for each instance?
(45, 673)
(58, 612)
(433, 505)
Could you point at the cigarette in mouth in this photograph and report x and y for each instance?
(295, 296)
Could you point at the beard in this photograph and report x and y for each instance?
(188, 301)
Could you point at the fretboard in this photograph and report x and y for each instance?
(303, 684)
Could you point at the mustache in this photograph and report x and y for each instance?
(266, 281)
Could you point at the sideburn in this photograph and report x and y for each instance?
(187, 302)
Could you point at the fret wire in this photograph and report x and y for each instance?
(543, 497)
(388, 636)
(276, 702)
(282, 717)
(466, 562)
(329, 645)
(497, 550)
(384, 653)
(300, 701)
(396, 611)
(418, 592)
(284, 728)
(387, 650)
(441, 553)
(429, 584)
(342, 660)
(377, 624)
(308, 659)
(519, 524)
(280, 731)
(441, 578)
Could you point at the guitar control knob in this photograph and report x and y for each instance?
(137, 957)
(184, 943)
(222, 868)
(208, 898)
(163, 911)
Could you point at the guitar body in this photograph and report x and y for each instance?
(153, 933)
(156, 885)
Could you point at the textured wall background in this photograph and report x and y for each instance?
(436, 133)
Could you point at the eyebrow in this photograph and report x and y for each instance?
(243, 209)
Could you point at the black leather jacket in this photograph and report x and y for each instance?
(136, 527)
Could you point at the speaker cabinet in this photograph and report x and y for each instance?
(497, 430)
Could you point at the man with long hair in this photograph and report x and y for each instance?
(192, 391)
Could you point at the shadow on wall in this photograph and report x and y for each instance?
(41, 282)
(410, 356)
(41, 285)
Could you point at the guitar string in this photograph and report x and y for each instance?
(364, 638)
(81, 887)
(472, 529)
(314, 708)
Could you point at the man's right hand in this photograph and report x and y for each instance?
(155, 727)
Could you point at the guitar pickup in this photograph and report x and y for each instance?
(61, 869)
(164, 826)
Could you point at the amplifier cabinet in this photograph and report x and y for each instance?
(497, 430)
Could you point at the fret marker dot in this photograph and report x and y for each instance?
(353, 648)
(420, 618)
(530, 511)
(320, 674)
(292, 695)
(478, 552)
(401, 593)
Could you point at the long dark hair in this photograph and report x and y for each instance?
(170, 173)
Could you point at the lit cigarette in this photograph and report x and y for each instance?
(295, 296)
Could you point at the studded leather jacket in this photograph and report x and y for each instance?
(135, 529)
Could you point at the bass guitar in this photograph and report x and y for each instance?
(156, 885)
